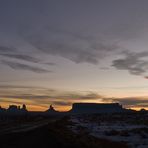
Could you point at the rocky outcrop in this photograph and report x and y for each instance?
(51, 110)
(17, 109)
(89, 108)
(14, 110)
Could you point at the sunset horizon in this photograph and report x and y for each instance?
(65, 52)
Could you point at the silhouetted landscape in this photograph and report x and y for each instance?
(85, 125)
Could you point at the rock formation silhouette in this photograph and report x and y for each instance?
(90, 108)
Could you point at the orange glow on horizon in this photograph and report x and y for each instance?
(36, 107)
(139, 108)
(31, 107)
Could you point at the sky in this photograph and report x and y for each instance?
(62, 52)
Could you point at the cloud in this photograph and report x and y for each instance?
(22, 57)
(61, 103)
(13, 53)
(25, 87)
(49, 63)
(133, 62)
(26, 96)
(75, 42)
(146, 77)
(19, 66)
(77, 47)
(132, 101)
(45, 96)
(14, 86)
(87, 96)
(4, 49)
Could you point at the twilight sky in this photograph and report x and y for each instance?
(64, 51)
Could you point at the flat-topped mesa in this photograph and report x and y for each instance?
(96, 108)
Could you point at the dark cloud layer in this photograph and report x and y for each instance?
(76, 47)
(132, 62)
(13, 53)
(19, 66)
(22, 57)
(56, 28)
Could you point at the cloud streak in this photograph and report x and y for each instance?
(22, 57)
(14, 54)
(54, 95)
(45, 96)
(133, 62)
(132, 101)
(19, 66)
(78, 48)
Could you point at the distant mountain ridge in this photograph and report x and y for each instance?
(77, 108)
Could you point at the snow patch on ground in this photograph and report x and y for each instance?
(136, 136)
